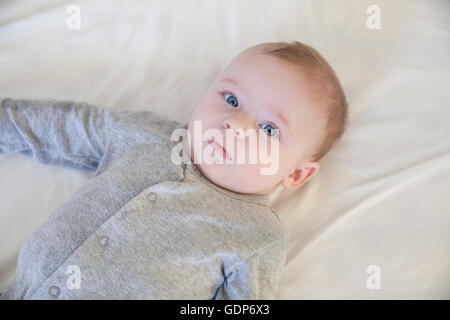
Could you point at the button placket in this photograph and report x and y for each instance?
(152, 197)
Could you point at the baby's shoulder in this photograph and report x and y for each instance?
(149, 123)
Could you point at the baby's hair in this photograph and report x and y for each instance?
(326, 83)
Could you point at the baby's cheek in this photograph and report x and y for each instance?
(269, 149)
(251, 176)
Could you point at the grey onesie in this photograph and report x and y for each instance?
(143, 227)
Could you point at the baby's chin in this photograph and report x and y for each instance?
(219, 174)
(233, 177)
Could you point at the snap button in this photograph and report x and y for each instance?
(103, 241)
(53, 291)
(152, 196)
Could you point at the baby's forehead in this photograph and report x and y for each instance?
(272, 71)
(271, 79)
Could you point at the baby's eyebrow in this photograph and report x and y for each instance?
(229, 80)
(234, 83)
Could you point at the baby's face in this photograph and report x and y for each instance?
(262, 93)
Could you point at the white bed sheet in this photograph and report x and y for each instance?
(381, 196)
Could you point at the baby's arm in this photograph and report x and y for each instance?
(61, 133)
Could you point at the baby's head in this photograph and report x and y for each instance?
(270, 86)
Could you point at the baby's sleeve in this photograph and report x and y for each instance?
(257, 277)
(61, 133)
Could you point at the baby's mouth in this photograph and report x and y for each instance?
(219, 148)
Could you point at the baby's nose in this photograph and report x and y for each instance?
(237, 129)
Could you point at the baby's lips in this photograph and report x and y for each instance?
(227, 155)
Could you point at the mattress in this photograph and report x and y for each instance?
(372, 224)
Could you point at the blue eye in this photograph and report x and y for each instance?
(270, 130)
(232, 100)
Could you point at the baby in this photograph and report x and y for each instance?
(148, 226)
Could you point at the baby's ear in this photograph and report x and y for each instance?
(301, 175)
